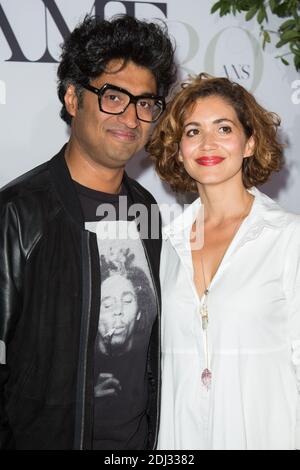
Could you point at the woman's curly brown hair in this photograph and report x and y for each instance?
(255, 120)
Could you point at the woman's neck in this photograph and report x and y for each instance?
(223, 202)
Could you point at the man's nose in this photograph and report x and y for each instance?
(118, 309)
(129, 117)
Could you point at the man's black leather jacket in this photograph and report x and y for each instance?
(49, 311)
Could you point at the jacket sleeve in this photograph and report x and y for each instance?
(292, 287)
(11, 267)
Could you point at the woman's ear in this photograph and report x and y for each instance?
(250, 147)
(71, 100)
(180, 157)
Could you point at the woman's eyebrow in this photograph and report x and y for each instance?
(216, 121)
(193, 123)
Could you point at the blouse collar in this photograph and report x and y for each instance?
(265, 213)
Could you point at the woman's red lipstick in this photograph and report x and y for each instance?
(209, 161)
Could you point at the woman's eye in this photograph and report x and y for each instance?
(225, 130)
(192, 132)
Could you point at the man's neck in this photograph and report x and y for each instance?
(93, 175)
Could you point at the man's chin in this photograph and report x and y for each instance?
(118, 349)
(118, 161)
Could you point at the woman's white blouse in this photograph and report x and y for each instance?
(253, 336)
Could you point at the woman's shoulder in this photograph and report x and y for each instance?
(273, 214)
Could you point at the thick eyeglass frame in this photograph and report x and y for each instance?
(132, 99)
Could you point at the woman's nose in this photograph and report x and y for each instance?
(208, 140)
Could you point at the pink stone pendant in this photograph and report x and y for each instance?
(206, 378)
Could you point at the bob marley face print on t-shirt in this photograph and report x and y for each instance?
(127, 301)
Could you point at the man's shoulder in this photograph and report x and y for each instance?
(29, 185)
(27, 204)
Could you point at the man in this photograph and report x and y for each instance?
(128, 304)
(113, 77)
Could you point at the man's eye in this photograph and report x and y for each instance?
(108, 302)
(225, 130)
(144, 104)
(113, 98)
(192, 132)
(128, 298)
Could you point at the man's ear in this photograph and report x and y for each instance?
(250, 147)
(71, 100)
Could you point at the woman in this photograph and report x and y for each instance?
(231, 305)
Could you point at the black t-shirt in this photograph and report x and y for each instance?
(127, 313)
(92, 202)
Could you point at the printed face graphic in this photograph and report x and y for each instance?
(118, 314)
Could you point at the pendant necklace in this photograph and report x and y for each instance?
(206, 374)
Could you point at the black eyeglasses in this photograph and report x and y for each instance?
(115, 100)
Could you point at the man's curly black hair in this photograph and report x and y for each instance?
(95, 42)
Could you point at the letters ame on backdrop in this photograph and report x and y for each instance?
(50, 6)
(234, 71)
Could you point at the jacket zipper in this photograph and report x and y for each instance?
(85, 327)
(159, 347)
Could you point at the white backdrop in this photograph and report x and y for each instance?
(31, 31)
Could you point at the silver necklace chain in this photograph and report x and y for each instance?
(206, 374)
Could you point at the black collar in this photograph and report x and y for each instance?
(65, 188)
